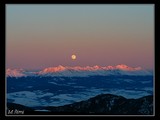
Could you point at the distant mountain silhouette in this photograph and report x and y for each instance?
(104, 104)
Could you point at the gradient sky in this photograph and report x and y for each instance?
(40, 36)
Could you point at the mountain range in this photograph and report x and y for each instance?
(80, 71)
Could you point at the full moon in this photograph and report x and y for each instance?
(73, 57)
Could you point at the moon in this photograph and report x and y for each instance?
(73, 57)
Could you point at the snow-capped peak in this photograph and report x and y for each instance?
(15, 72)
(125, 67)
(54, 69)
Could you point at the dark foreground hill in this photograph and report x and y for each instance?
(104, 104)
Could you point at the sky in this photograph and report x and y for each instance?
(46, 35)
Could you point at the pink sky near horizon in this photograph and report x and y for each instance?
(44, 36)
